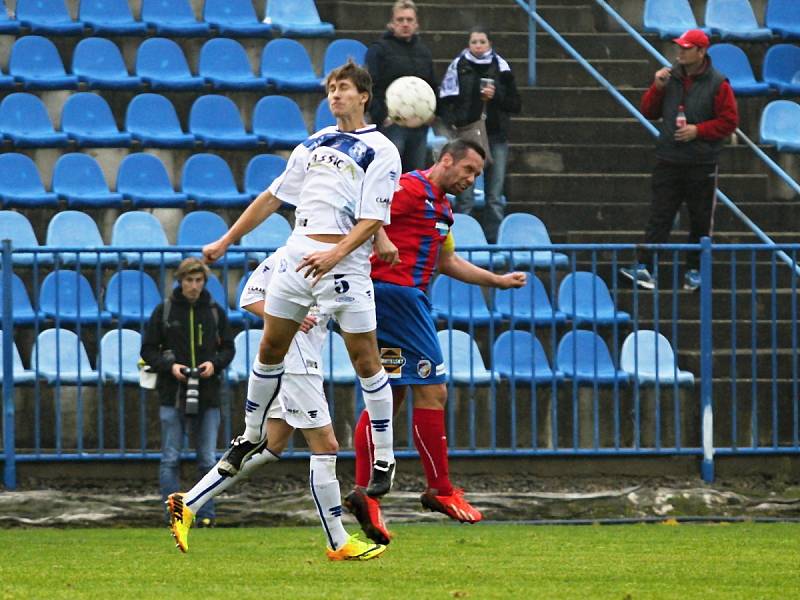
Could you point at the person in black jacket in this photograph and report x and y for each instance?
(188, 331)
(479, 84)
(398, 53)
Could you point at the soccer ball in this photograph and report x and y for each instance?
(410, 102)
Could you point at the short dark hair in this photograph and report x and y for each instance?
(355, 73)
(480, 29)
(458, 149)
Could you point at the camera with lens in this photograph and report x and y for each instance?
(192, 390)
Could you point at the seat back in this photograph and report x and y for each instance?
(336, 365)
(285, 56)
(88, 114)
(523, 229)
(67, 293)
(16, 359)
(230, 12)
(224, 58)
(200, 227)
(21, 305)
(323, 117)
(152, 114)
(42, 11)
(585, 294)
(215, 115)
(119, 355)
(35, 55)
(21, 112)
(668, 15)
(646, 352)
(18, 173)
(520, 354)
(261, 172)
(732, 62)
(60, 350)
(468, 232)
(167, 11)
(207, 174)
(462, 357)
(132, 295)
(141, 172)
(278, 114)
(780, 121)
(530, 299)
(782, 13)
(453, 297)
(105, 11)
(582, 353)
(781, 63)
(98, 57)
(138, 228)
(301, 12)
(271, 233)
(161, 58)
(73, 228)
(730, 14)
(340, 51)
(246, 346)
(77, 173)
(15, 226)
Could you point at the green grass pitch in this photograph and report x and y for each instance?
(739, 561)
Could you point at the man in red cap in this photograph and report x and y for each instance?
(698, 111)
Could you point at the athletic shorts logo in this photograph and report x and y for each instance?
(424, 368)
(312, 414)
(392, 361)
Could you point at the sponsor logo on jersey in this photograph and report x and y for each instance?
(311, 364)
(424, 368)
(393, 361)
(344, 299)
(383, 200)
(254, 289)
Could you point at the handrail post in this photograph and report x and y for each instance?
(531, 44)
(9, 440)
(706, 357)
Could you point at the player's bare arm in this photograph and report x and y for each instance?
(259, 209)
(385, 249)
(317, 264)
(456, 267)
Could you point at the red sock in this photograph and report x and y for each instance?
(431, 442)
(362, 444)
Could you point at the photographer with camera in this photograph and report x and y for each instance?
(188, 342)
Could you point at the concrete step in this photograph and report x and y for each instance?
(621, 236)
(578, 130)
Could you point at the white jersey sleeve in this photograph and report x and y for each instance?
(286, 187)
(381, 181)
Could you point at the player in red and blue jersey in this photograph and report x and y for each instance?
(408, 252)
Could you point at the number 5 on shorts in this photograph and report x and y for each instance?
(340, 285)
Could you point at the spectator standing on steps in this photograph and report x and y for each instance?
(479, 84)
(698, 111)
(399, 53)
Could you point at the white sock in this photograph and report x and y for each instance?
(378, 400)
(262, 390)
(328, 498)
(213, 484)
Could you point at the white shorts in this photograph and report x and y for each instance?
(303, 401)
(346, 292)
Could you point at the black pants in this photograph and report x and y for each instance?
(673, 184)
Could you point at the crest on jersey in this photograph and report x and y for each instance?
(424, 368)
(358, 151)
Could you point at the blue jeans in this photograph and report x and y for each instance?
(174, 425)
(412, 144)
(494, 175)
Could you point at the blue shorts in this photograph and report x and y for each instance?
(409, 348)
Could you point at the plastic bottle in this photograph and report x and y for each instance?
(680, 120)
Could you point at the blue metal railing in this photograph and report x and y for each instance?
(738, 337)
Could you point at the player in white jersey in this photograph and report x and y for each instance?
(301, 404)
(341, 181)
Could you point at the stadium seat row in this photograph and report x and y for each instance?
(781, 69)
(730, 19)
(582, 356)
(168, 17)
(97, 63)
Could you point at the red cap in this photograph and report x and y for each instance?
(693, 37)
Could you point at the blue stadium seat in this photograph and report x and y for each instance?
(584, 298)
(216, 122)
(208, 181)
(782, 68)
(732, 62)
(152, 121)
(7, 24)
(244, 315)
(780, 125)
(98, 63)
(140, 229)
(783, 18)
(15, 226)
(20, 373)
(271, 233)
(277, 120)
(131, 297)
(522, 229)
(201, 227)
(669, 18)
(528, 303)
(323, 117)
(61, 358)
(225, 65)
(49, 17)
(143, 179)
(246, 346)
(340, 51)
(162, 65)
(583, 356)
(467, 366)
(119, 356)
(67, 297)
(336, 365)
(24, 120)
(286, 65)
(235, 18)
(296, 18)
(468, 232)
(649, 358)
(173, 18)
(110, 17)
(22, 309)
(20, 184)
(461, 302)
(261, 172)
(436, 142)
(519, 355)
(218, 293)
(76, 229)
(734, 20)
(79, 180)
(87, 120)
(35, 62)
